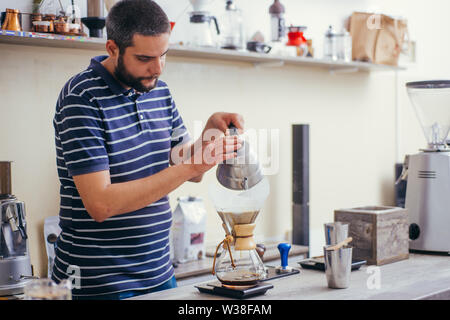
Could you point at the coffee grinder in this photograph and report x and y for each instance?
(15, 265)
(428, 172)
(95, 21)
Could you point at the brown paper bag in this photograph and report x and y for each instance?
(377, 38)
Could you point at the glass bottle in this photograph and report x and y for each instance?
(346, 46)
(277, 22)
(330, 45)
(232, 27)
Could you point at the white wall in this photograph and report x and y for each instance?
(352, 116)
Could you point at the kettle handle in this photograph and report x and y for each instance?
(217, 25)
(233, 130)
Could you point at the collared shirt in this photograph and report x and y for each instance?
(99, 125)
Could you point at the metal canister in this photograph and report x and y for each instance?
(338, 266)
(5, 177)
(95, 8)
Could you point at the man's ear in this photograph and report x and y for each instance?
(112, 48)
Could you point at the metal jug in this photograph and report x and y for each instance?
(12, 20)
(242, 172)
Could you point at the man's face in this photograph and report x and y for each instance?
(141, 64)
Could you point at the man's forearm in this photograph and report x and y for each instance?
(119, 198)
(180, 153)
(183, 152)
(103, 199)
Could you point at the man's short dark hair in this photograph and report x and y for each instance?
(129, 17)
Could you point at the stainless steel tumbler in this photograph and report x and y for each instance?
(338, 266)
(335, 232)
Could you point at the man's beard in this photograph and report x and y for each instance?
(122, 74)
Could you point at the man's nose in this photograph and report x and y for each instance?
(156, 66)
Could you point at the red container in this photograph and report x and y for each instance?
(295, 36)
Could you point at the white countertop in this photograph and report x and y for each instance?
(419, 277)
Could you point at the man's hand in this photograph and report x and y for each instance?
(222, 120)
(216, 126)
(210, 153)
(219, 121)
(103, 199)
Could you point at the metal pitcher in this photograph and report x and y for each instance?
(242, 172)
(12, 20)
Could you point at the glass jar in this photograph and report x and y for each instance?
(330, 45)
(35, 17)
(74, 28)
(337, 46)
(46, 289)
(41, 26)
(346, 47)
(232, 32)
(61, 26)
(50, 18)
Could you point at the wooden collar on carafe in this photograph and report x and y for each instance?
(244, 236)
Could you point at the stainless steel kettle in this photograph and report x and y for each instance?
(241, 172)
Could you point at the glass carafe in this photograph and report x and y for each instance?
(232, 28)
(201, 30)
(47, 289)
(236, 261)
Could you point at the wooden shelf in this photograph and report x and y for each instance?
(261, 59)
(51, 40)
(257, 59)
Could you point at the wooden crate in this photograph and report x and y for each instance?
(380, 234)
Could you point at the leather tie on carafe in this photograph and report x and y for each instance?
(243, 241)
(227, 242)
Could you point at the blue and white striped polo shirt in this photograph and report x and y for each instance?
(99, 125)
